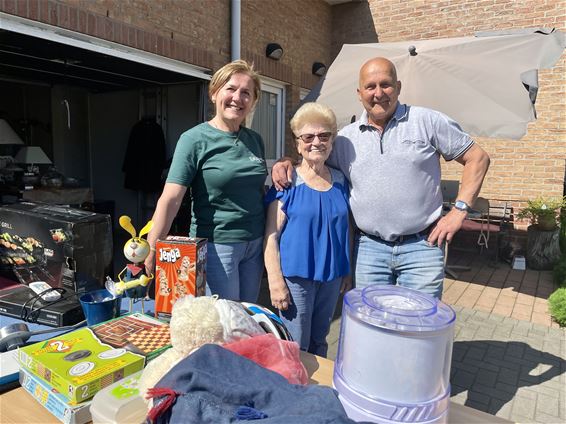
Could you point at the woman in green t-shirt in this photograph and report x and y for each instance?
(224, 165)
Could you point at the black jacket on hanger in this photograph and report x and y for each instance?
(145, 157)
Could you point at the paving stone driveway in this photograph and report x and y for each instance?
(510, 368)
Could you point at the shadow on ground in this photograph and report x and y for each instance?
(493, 372)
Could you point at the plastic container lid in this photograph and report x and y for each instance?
(119, 403)
(397, 308)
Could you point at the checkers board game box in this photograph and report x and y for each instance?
(80, 363)
(180, 269)
(65, 247)
(54, 401)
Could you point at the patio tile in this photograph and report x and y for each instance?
(487, 300)
(504, 310)
(468, 298)
(509, 291)
(541, 305)
(522, 312)
(511, 283)
(541, 318)
(528, 290)
(545, 288)
(483, 307)
(515, 276)
(525, 299)
(507, 299)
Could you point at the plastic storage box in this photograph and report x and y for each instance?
(119, 403)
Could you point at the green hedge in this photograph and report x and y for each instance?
(559, 273)
(557, 306)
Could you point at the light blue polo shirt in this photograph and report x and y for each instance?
(395, 176)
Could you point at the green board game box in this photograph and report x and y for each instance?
(82, 362)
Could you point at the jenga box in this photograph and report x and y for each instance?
(180, 270)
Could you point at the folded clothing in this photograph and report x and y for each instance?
(215, 385)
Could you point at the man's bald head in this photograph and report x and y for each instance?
(379, 63)
(379, 90)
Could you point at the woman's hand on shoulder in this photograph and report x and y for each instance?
(279, 293)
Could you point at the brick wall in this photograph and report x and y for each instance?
(168, 28)
(303, 29)
(198, 31)
(523, 169)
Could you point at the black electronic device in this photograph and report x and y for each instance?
(22, 303)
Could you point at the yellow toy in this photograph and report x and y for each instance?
(132, 279)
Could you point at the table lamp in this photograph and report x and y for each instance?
(32, 156)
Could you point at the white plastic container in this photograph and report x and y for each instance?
(394, 354)
(426, 414)
(119, 403)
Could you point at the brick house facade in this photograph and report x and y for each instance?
(198, 32)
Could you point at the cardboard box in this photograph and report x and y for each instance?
(18, 302)
(65, 247)
(80, 363)
(54, 401)
(180, 269)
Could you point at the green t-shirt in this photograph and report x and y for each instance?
(226, 172)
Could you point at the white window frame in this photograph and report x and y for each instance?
(278, 88)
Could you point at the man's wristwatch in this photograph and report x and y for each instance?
(461, 206)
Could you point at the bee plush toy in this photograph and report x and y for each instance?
(132, 279)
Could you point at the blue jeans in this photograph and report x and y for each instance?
(412, 263)
(234, 270)
(309, 316)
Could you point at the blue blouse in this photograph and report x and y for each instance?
(314, 242)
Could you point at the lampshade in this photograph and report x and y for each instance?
(33, 155)
(8, 135)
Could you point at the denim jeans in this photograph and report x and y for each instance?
(411, 263)
(309, 316)
(234, 270)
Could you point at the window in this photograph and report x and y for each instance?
(268, 118)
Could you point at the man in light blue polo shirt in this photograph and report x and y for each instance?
(391, 157)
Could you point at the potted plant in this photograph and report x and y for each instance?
(543, 212)
(543, 247)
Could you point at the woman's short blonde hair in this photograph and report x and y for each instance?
(223, 75)
(311, 113)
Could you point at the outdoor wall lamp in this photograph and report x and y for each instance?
(274, 51)
(318, 69)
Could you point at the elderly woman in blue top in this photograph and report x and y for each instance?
(224, 164)
(306, 246)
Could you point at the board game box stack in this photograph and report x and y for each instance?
(180, 270)
(66, 371)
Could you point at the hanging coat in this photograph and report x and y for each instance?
(145, 157)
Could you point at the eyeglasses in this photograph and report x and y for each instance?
(309, 138)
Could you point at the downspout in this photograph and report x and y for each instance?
(236, 16)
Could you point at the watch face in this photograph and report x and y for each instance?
(461, 205)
